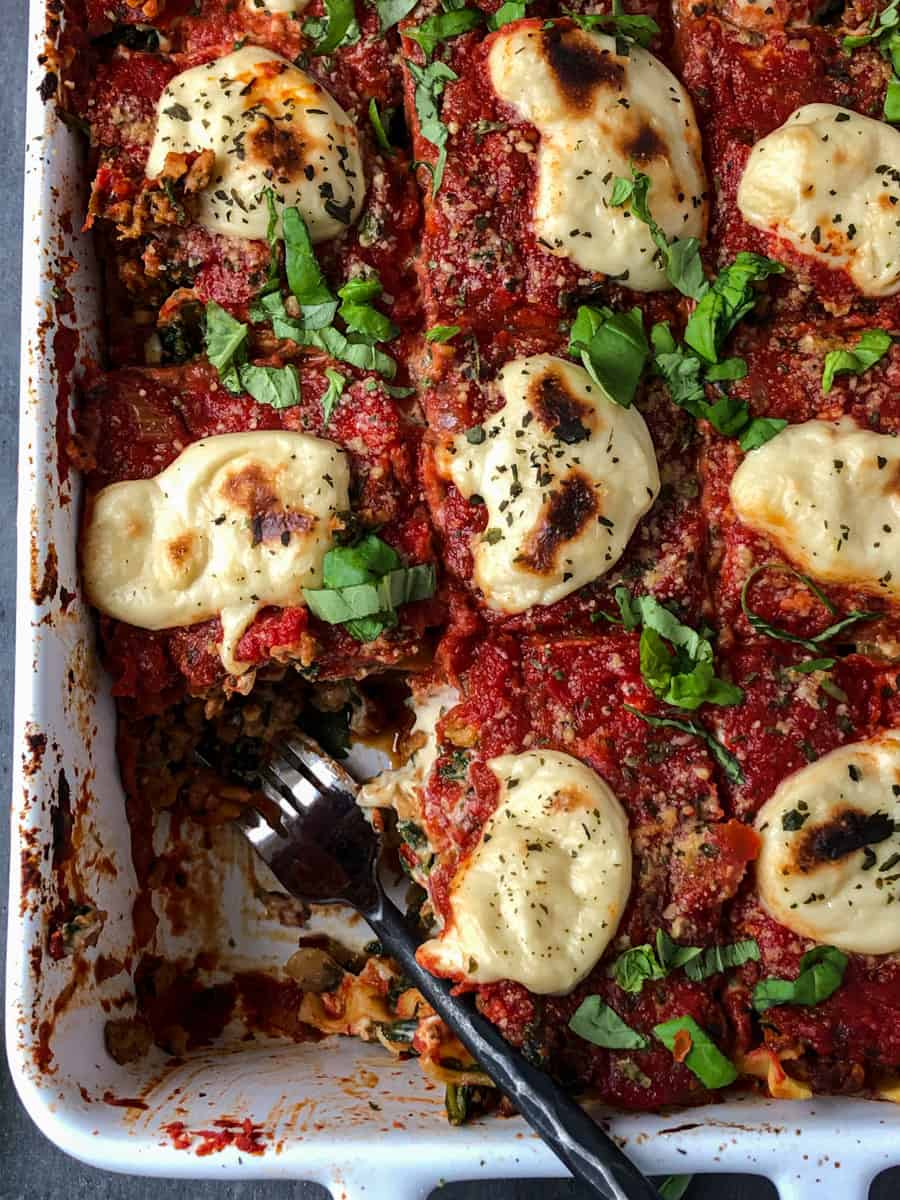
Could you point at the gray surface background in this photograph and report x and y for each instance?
(30, 1167)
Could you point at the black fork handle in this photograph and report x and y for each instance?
(589, 1153)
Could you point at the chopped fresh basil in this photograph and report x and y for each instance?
(226, 344)
(872, 346)
(430, 83)
(761, 625)
(511, 10)
(884, 33)
(357, 352)
(821, 974)
(634, 26)
(336, 384)
(357, 311)
(364, 584)
(720, 753)
(340, 16)
(596, 1022)
(685, 678)
(272, 283)
(635, 967)
(279, 387)
(226, 349)
(704, 1057)
(304, 275)
(686, 375)
(680, 257)
(392, 11)
(721, 958)
(725, 302)
(442, 333)
(378, 122)
(613, 348)
(441, 26)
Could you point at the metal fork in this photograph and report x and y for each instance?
(322, 849)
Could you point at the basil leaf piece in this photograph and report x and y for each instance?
(759, 431)
(279, 387)
(633, 968)
(378, 123)
(685, 678)
(729, 298)
(872, 346)
(365, 560)
(226, 340)
(674, 1187)
(441, 26)
(596, 1022)
(359, 354)
(340, 16)
(892, 100)
(430, 83)
(681, 257)
(821, 974)
(613, 348)
(721, 958)
(348, 603)
(634, 26)
(336, 384)
(720, 753)
(704, 1058)
(883, 32)
(357, 311)
(671, 954)
(392, 11)
(304, 275)
(511, 10)
(271, 284)
(442, 333)
(761, 625)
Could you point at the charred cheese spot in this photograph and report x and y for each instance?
(851, 224)
(597, 112)
(565, 475)
(826, 494)
(270, 126)
(558, 410)
(206, 546)
(565, 516)
(829, 864)
(580, 67)
(541, 895)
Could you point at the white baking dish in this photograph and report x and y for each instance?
(315, 1104)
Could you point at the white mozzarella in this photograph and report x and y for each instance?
(270, 126)
(235, 523)
(291, 7)
(828, 182)
(828, 495)
(401, 788)
(541, 895)
(565, 473)
(809, 877)
(597, 113)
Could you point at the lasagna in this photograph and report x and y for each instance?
(518, 382)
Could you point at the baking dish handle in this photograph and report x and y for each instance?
(377, 1185)
(811, 1183)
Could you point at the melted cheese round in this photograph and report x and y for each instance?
(269, 125)
(540, 897)
(235, 523)
(597, 113)
(810, 876)
(565, 473)
(828, 182)
(828, 495)
(292, 7)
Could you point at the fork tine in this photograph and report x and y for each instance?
(321, 770)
